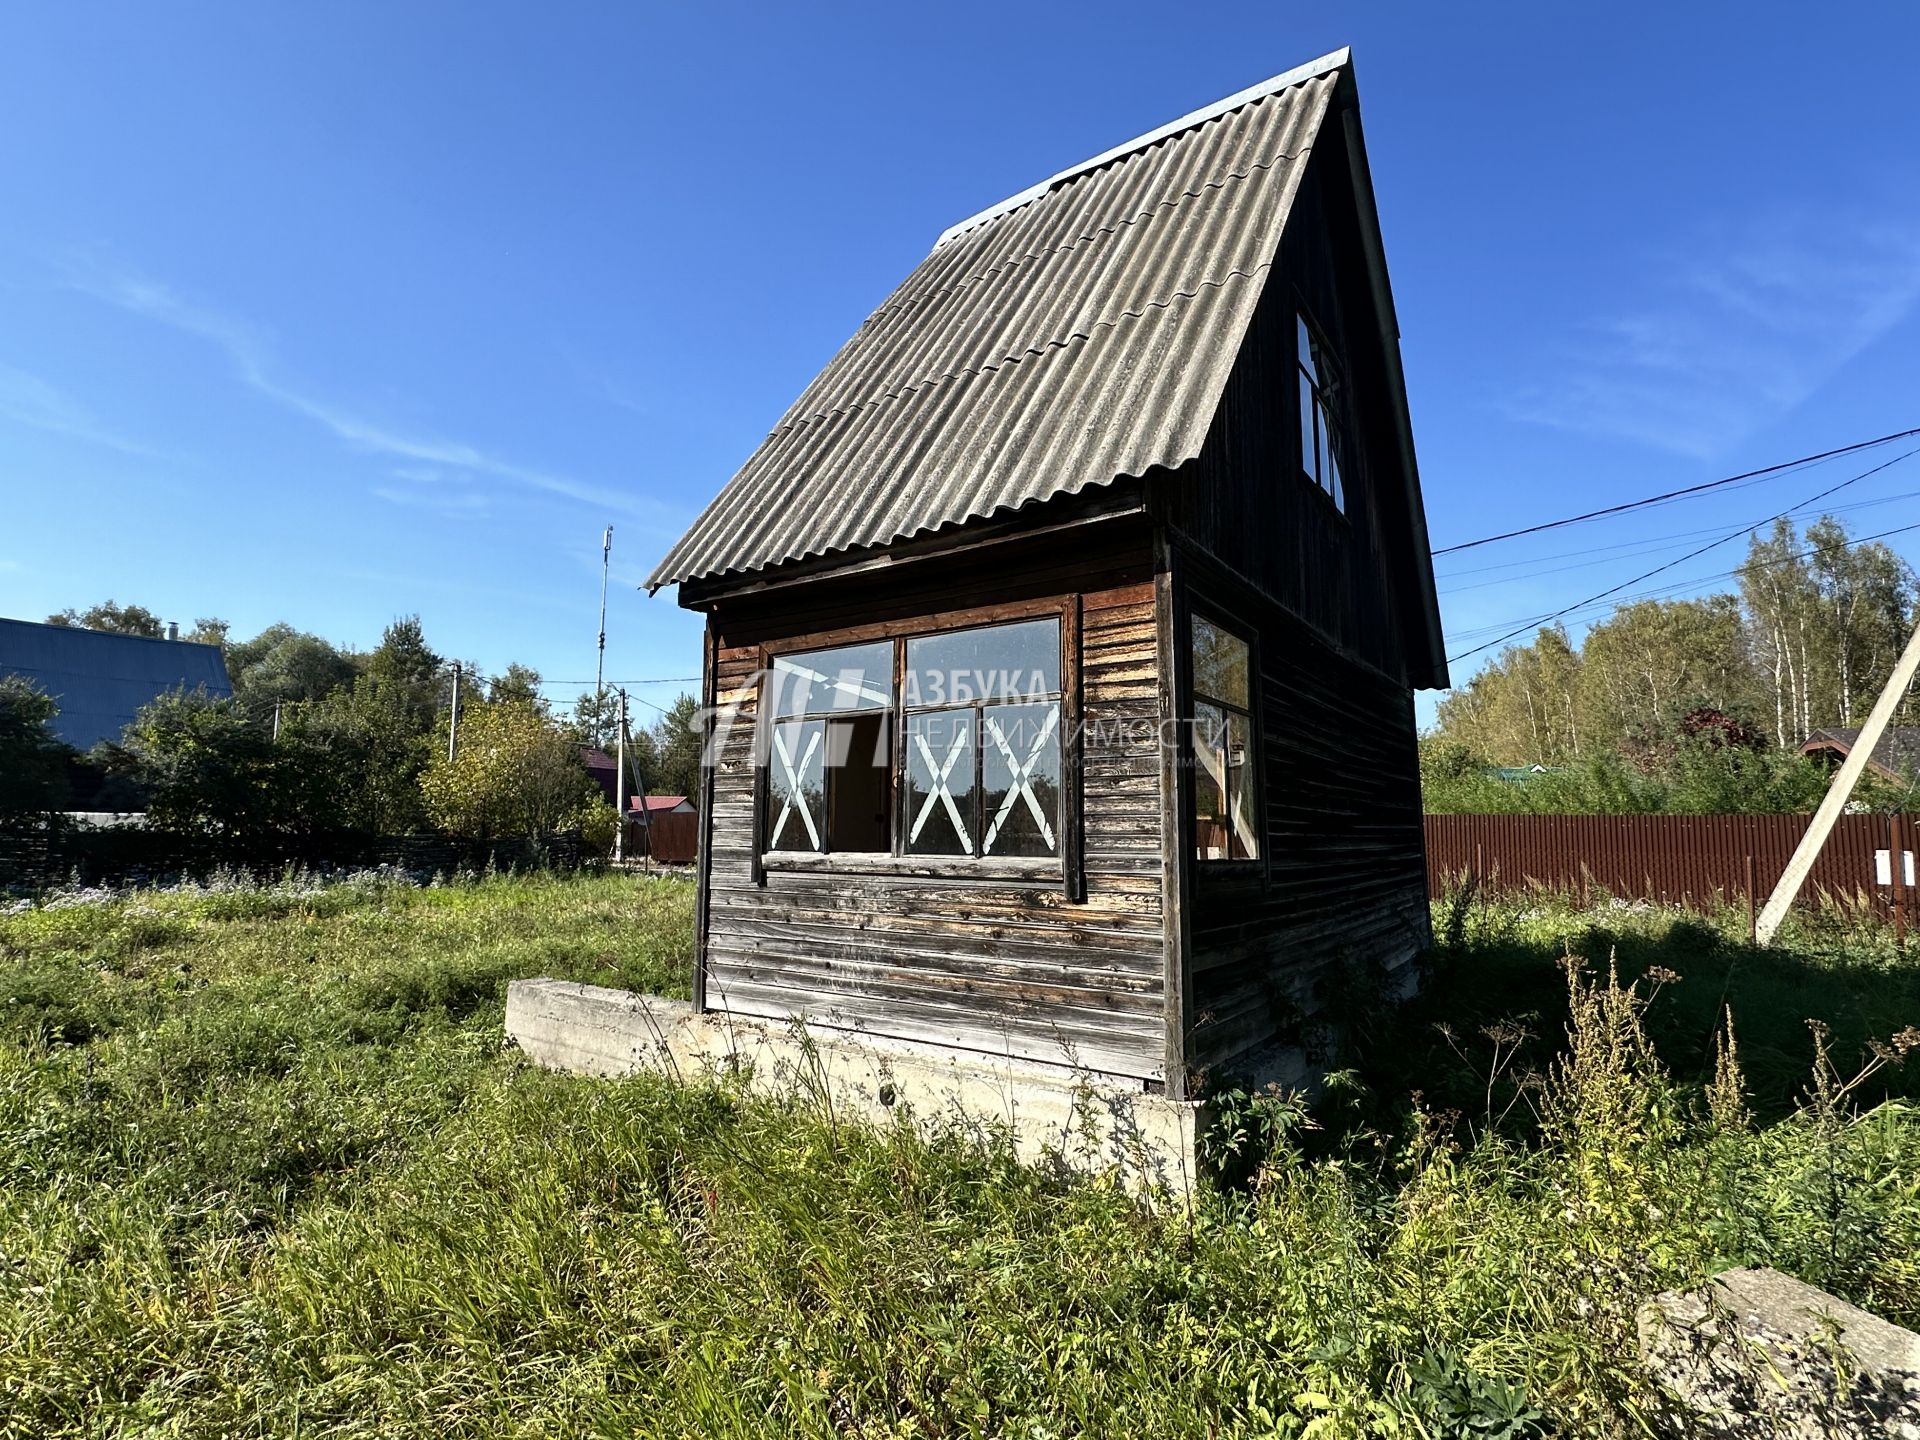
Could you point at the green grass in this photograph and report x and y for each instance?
(1499, 964)
(266, 1168)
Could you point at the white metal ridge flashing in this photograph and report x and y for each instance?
(1285, 79)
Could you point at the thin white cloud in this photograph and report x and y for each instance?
(29, 400)
(251, 357)
(1745, 327)
(442, 502)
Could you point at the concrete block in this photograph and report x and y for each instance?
(1756, 1352)
(1056, 1116)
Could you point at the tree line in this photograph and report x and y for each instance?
(318, 740)
(1690, 706)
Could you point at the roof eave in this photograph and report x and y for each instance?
(1122, 498)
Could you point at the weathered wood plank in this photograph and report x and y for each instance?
(925, 949)
(1113, 1051)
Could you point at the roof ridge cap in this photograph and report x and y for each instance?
(1333, 60)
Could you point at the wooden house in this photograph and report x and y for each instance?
(1061, 637)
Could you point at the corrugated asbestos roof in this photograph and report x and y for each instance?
(1079, 332)
(99, 679)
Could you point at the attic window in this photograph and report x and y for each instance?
(1323, 435)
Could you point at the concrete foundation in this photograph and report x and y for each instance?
(1756, 1352)
(1055, 1115)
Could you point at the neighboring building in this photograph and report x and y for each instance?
(1896, 757)
(604, 770)
(657, 805)
(670, 832)
(1126, 460)
(101, 679)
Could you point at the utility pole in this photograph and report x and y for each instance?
(600, 660)
(639, 783)
(620, 782)
(1808, 850)
(453, 720)
(276, 722)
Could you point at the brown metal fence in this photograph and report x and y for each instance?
(676, 838)
(1693, 860)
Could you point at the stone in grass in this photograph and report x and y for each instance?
(1756, 1352)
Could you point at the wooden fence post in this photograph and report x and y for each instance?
(1835, 802)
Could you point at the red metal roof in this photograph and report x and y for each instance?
(657, 803)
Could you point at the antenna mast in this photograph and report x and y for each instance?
(600, 660)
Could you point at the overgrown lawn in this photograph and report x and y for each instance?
(266, 1168)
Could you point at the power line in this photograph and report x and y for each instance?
(1690, 555)
(613, 684)
(1675, 539)
(1680, 585)
(1665, 496)
(650, 705)
(1677, 585)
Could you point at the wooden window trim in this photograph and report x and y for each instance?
(1039, 870)
(1254, 867)
(1067, 868)
(1072, 839)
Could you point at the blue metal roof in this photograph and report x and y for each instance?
(100, 679)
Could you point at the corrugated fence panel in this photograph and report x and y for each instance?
(1693, 860)
(675, 838)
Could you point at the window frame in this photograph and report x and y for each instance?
(826, 718)
(1063, 867)
(1328, 399)
(978, 708)
(1198, 609)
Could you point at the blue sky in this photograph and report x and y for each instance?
(340, 313)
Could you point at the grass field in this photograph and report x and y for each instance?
(266, 1168)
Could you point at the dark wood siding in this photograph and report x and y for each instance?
(1341, 895)
(967, 958)
(1245, 502)
(1341, 891)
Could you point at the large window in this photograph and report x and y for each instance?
(978, 723)
(1323, 436)
(1225, 787)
